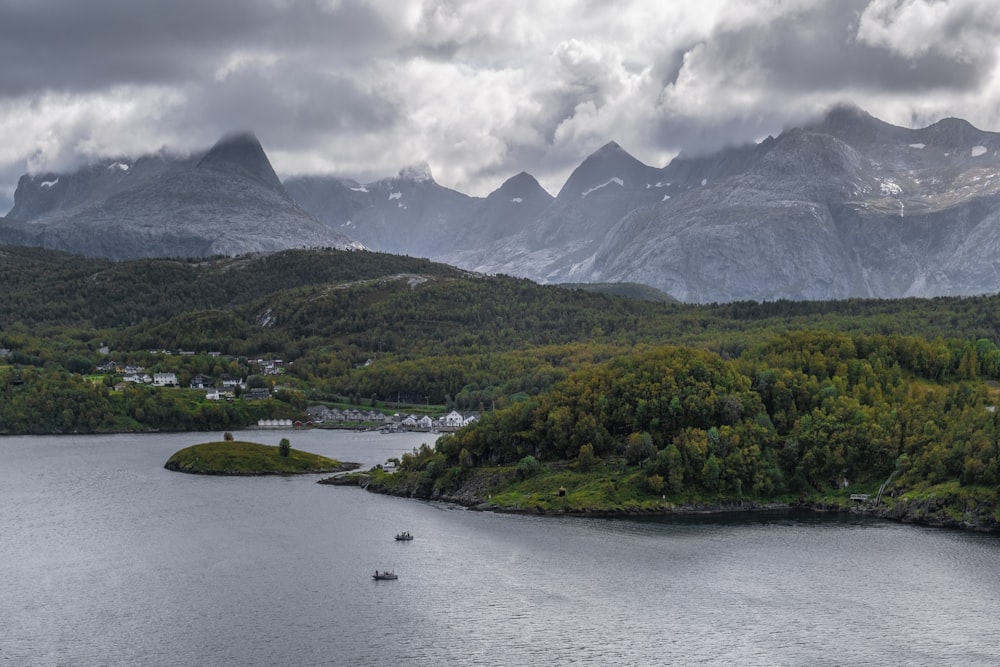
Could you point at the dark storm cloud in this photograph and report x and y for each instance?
(271, 98)
(83, 46)
(820, 50)
(778, 69)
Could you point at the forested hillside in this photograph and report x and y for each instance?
(803, 411)
(742, 400)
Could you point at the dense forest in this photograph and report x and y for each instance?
(804, 411)
(761, 400)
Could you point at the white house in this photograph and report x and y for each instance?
(453, 419)
(164, 379)
(229, 382)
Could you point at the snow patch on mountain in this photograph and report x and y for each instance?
(890, 187)
(48, 184)
(395, 195)
(977, 151)
(608, 182)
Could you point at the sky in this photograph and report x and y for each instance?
(479, 90)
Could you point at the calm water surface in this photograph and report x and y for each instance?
(108, 559)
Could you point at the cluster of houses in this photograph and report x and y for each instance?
(138, 375)
(219, 389)
(321, 414)
(225, 388)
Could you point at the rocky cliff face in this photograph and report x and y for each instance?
(849, 206)
(227, 201)
(409, 214)
(888, 209)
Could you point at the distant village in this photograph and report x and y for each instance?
(228, 387)
(322, 415)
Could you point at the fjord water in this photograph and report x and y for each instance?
(109, 559)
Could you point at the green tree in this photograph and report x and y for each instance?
(284, 447)
(711, 475)
(528, 467)
(639, 447)
(654, 484)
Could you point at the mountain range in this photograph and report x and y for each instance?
(847, 206)
(224, 201)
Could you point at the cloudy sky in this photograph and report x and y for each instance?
(478, 89)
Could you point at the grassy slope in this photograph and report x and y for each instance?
(234, 457)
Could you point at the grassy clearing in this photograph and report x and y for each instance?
(235, 457)
(599, 490)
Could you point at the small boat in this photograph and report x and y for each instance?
(384, 576)
(403, 536)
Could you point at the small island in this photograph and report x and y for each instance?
(239, 458)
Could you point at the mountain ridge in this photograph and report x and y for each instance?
(844, 206)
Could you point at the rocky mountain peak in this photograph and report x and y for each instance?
(609, 148)
(855, 126)
(522, 185)
(241, 151)
(953, 134)
(609, 165)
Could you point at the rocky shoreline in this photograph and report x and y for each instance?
(931, 512)
(176, 466)
(936, 513)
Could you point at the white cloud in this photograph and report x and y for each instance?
(480, 90)
(56, 131)
(961, 29)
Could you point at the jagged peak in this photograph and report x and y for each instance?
(520, 184)
(521, 179)
(611, 152)
(610, 147)
(419, 172)
(855, 126)
(610, 161)
(241, 150)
